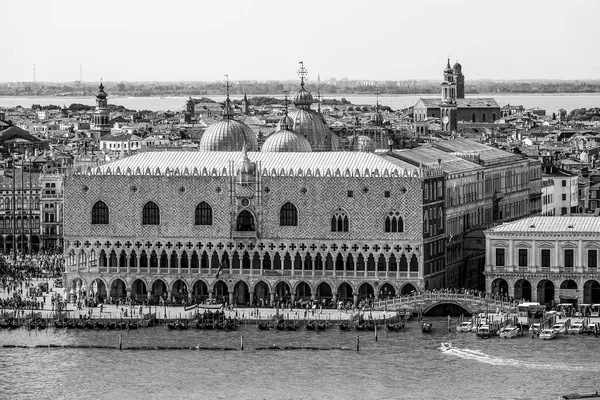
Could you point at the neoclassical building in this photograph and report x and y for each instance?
(546, 259)
(248, 226)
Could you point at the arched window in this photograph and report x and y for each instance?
(151, 214)
(473, 118)
(203, 214)
(245, 221)
(339, 221)
(99, 213)
(394, 222)
(483, 118)
(288, 215)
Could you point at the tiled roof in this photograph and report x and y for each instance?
(219, 160)
(429, 156)
(469, 102)
(551, 225)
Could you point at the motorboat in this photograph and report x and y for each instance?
(560, 327)
(446, 346)
(464, 327)
(548, 334)
(426, 327)
(576, 328)
(509, 332)
(591, 329)
(485, 332)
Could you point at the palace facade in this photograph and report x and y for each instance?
(550, 260)
(246, 227)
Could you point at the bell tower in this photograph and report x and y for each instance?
(101, 115)
(448, 107)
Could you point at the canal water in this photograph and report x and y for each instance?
(407, 364)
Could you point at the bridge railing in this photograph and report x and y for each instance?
(415, 299)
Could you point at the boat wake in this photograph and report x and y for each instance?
(479, 356)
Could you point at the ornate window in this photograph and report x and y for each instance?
(394, 222)
(339, 221)
(288, 215)
(151, 214)
(100, 213)
(245, 221)
(204, 214)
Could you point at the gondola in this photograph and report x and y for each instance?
(171, 326)
(426, 327)
(90, 324)
(81, 324)
(394, 327)
(133, 325)
(71, 324)
(281, 326)
(344, 326)
(111, 326)
(59, 324)
(311, 326)
(4, 324)
(231, 324)
(322, 326)
(264, 326)
(41, 325)
(199, 325)
(181, 326)
(14, 324)
(291, 326)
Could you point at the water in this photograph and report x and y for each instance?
(406, 364)
(550, 102)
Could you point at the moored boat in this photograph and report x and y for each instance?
(464, 327)
(548, 334)
(560, 327)
(344, 326)
(576, 328)
(426, 327)
(509, 332)
(485, 332)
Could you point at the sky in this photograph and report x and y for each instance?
(177, 40)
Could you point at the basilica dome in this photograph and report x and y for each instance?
(303, 99)
(285, 141)
(309, 124)
(228, 134)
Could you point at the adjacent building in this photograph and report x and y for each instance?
(545, 259)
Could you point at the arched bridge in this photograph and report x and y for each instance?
(428, 301)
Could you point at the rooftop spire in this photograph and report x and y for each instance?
(302, 72)
(377, 93)
(227, 110)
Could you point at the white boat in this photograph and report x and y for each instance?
(509, 332)
(485, 332)
(560, 327)
(476, 327)
(576, 328)
(548, 334)
(464, 327)
(446, 346)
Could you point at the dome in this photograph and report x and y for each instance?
(285, 123)
(101, 93)
(303, 99)
(228, 135)
(448, 69)
(286, 141)
(309, 124)
(377, 118)
(457, 68)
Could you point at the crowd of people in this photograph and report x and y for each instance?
(25, 280)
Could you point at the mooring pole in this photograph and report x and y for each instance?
(375, 332)
(242, 342)
(357, 342)
(120, 341)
